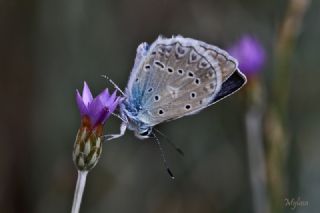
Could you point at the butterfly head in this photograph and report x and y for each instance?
(130, 113)
(143, 133)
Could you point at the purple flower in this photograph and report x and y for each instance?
(97, 109)
(250, 54)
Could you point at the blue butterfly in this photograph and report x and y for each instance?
(175, 77)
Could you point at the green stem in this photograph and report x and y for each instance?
(81, 182)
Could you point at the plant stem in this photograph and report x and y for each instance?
(81, 182)
(277, 134)
(256, 152)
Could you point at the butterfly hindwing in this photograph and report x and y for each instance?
(230, 86)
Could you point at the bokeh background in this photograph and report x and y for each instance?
(48, 48)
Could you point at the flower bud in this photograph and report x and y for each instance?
(88, 146)
(94, 113)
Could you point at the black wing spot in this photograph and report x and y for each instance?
(181, 50)
(157, 98)
(170, 70)
(180, 71)
(159, 64)
(204, 64)
(197, 81)
(187, 107)
(190, 74)
(147, 67)
(150, 89)
(160, 112)
(193, 56)
(193, 94)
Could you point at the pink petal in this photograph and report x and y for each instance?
(96, 108)
(81, 106)
(112, 98)
(104, 96)
(86, 94)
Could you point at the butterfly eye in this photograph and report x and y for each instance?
(145, 133)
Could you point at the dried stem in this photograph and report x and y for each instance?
(276, 117)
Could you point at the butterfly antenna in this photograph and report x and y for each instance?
(114, 84)
(163, 157)
(170, 142)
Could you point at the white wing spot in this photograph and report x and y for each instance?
(173, 91)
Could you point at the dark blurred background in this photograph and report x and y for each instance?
(48, 48)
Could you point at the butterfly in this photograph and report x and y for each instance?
(175, 77)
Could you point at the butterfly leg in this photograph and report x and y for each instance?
(123, 128)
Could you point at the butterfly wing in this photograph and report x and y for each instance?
(230, 86)
(178, 77)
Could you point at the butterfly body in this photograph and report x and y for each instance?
(173, 78)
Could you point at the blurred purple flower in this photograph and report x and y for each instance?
(250, 54)
(97, 109)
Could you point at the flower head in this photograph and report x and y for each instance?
(250, 54)
(97, 109)
(94, 113)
